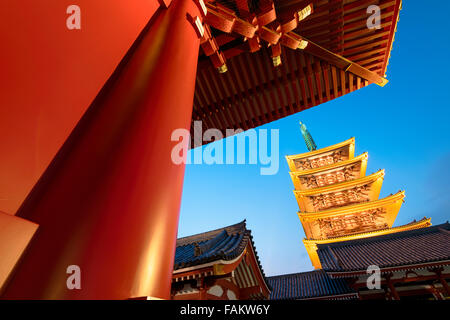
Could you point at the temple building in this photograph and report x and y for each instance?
(337, 200)
(218, 265)
(348, 229)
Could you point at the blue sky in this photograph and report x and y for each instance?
(404, 127)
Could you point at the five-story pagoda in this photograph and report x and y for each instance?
(337, 201)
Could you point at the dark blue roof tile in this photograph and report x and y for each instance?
(308, 285)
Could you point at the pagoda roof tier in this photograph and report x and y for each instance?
(334, 173)
(264, 60)
(356, 218)
(407, 250)
(311, 244)
(340, 194)
(322, 157)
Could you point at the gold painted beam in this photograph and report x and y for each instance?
(355, 208)
(15, 235)
(312, 221)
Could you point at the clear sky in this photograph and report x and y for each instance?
(404, 127)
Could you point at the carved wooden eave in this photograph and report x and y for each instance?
(349, 192)
(242, 273)
(348, 147)
(262, 61)
(357, 164)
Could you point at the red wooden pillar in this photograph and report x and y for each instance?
(394, 293)
(109, 202)
(441, 278)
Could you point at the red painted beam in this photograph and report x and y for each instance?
(50, 75)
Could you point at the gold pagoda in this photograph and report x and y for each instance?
(337, 201)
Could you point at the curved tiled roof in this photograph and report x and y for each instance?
(221, 244)
(307, 285)
(397, 249)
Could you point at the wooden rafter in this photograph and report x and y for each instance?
(342, 55)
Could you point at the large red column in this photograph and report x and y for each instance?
(109, 202)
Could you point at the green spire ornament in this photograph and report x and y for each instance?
(310, 144)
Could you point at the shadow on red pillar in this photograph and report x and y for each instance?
(109, 201)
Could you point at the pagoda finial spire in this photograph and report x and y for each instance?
(310, 144)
